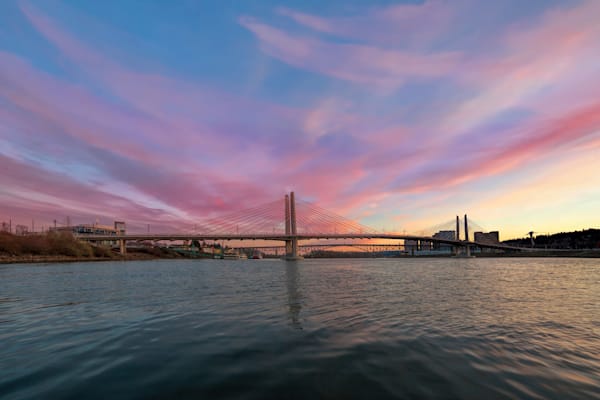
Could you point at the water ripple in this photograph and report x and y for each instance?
(403, 328)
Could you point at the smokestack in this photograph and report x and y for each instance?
(466, 229)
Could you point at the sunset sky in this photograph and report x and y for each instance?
(399, 115)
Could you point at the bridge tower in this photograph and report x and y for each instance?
(462, 249)
(467, 247)
(288, 226)
(457, 248)
(291, 244)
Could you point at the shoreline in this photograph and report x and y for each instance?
(33, 259)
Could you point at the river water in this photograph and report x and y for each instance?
(331, 329)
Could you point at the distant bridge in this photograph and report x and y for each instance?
(317, 224)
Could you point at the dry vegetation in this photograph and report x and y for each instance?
(49, 244)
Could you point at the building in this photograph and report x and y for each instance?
(120, 227)
(411, 246)
(445, 235)
(93, 229)
(21, 230)
(487, 237)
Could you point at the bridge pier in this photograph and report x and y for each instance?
(467, 247)
(123, 247)
(291, 244)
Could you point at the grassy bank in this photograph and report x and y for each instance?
(49, 244)
(63, 247)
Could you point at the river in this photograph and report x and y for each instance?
(330, 329)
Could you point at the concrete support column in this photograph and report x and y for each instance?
(123, 246)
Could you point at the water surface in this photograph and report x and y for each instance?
(253, 329)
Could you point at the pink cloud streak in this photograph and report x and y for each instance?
(176, 143)
(353, 62)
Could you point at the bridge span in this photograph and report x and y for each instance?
(291, 233)
(287, 238)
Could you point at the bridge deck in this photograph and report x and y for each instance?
(281, 237)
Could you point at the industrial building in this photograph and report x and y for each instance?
(487, 237)
(446, 235)
(117, 229)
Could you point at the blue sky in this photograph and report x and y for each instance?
(396, 114)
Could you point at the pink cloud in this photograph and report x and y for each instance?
(99, 136)
(384, 68)
(542, 139)
(393, 25)
(536, 65)
(156, 148)
(80, 115)
(186, 150)
(173, 104)
(31, 191)
(150, 94)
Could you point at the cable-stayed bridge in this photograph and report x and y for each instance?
(291, 221)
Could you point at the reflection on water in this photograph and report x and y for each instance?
(294, 296)
(396, 328)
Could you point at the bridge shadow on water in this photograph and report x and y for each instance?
(294, 295)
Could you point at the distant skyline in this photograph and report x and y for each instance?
(397, 114)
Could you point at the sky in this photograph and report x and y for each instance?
(397, 114)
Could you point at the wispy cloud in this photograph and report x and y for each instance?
(365, 64)
(390, 26)
(408, 103)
